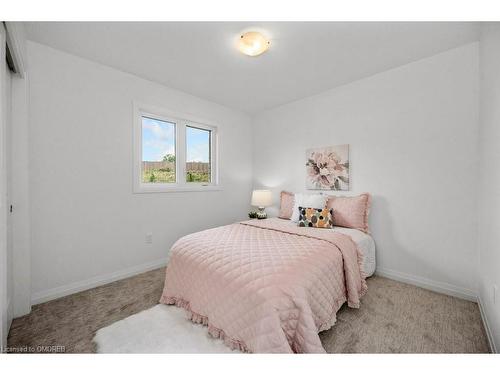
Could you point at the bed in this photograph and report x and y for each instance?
(268, 286)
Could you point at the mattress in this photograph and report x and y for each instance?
(365, 244)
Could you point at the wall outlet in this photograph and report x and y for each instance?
(495, 294)
(149, 238)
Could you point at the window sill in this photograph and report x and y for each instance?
(144, 189)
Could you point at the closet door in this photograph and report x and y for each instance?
(5, 85)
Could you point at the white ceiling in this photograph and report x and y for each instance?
(304, 58)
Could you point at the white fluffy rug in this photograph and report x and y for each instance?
(161, 329)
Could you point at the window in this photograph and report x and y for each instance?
(173, 152)
(198, 154)
(158, 151)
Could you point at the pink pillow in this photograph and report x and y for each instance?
(286, 205)
(350, 212)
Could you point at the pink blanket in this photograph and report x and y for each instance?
(265, 286)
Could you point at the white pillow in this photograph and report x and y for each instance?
(309, 201)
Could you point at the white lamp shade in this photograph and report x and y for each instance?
(262, 198)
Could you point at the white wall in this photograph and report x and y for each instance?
(86, 222)
(489, 192)
(413, 141)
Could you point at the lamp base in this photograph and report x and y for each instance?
(261, 214)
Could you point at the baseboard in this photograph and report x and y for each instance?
(79, 286)
(435, 286)
(486, 324)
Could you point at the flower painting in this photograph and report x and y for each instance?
(328, 168)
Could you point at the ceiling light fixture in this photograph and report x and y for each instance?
(253, 43)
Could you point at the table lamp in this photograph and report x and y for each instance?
(262, 199)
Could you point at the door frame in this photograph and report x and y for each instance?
(5, 217)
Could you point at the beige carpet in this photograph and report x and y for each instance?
(400, 318)
(394, 317)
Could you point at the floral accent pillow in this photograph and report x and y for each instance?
(306, 200)
(315, 217)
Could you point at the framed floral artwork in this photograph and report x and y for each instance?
(328, 168)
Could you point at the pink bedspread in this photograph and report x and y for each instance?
(265, 286)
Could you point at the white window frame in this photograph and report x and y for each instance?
(181, 121)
